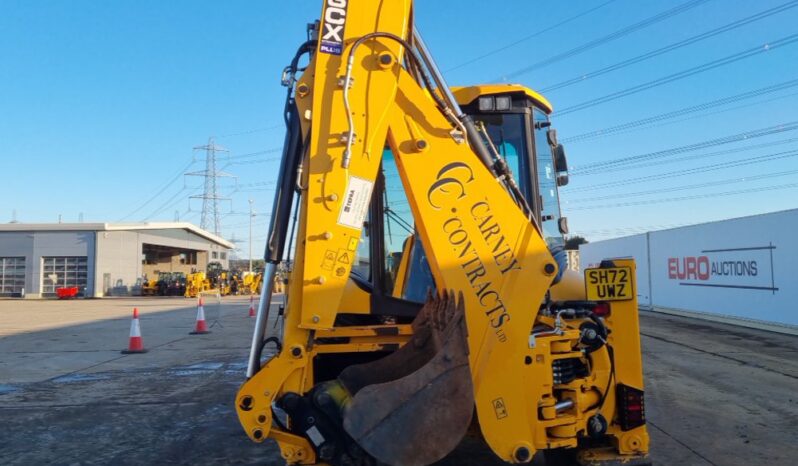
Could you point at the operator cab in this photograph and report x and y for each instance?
(517, 120)
(391, 265)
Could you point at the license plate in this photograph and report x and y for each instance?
(609, 284)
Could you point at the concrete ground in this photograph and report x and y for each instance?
(716, 394)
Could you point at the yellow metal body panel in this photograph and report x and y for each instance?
(467, 94)
(336, 196)
(571, 287)
(317, 283)
(404, 267)
(355, 300)
(625, 340)
(480, 242)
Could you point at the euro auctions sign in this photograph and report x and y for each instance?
(742, 268)
(747, 267)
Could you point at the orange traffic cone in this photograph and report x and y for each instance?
(135, 345)
(201, 327)
(252, 306)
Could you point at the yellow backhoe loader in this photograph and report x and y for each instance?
(428, 297)
(219, 278)
(250, 283)
(149, 287)
(216, 280)
(197, 283)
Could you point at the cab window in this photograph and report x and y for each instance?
(362, 263)
(419, 279)
(547, 181)
(506, 131)
(398, 221)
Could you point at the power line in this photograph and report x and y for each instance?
(683, 111)
(255, 190)
(232, 212)
(259, 183)
(597, 167)
(608, 38)
(252, 187)
(675, 46)
(185, 216)
(744, 179)
(175, 198)
(526, 38)
(704, 115)
(253, 154)
(253, 161)
(681, 74)
(702, 156)
(689, 198)
(169, 203)
(255, 222)
(690, 171)
(160, 191)
(628, 230)
(253, 131)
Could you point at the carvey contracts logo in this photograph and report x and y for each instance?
(332, 37)
(478, 240)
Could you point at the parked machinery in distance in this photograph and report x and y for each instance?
(167, 284)
(196, 284)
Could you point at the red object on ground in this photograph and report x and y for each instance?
(135, 344)
(200, 328)
(251, 306)
(66, 293)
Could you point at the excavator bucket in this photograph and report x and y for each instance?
(414, 406)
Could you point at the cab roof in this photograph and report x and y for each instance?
(467, 94)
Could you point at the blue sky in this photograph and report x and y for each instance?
(101, 103)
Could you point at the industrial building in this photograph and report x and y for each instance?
(740, 270)
(101, 259)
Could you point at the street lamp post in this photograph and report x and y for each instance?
(251, 216)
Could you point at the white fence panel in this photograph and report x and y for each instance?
(742, 267)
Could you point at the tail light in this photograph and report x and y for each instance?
(601, 309)
(631, 407)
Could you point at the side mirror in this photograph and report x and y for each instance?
(560, 161)
(562, 179)
(287, 78)
(562, 224)
(551, 136)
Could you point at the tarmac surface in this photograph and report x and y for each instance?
(716, 394)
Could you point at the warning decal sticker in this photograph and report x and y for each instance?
(329, 260)
(500, 408)
(356, 203)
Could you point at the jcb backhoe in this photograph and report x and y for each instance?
(428, 298)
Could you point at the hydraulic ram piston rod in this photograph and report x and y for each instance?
(261, 320)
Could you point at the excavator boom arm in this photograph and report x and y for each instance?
(478, 239)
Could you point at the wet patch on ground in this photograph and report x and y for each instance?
(181, 415)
